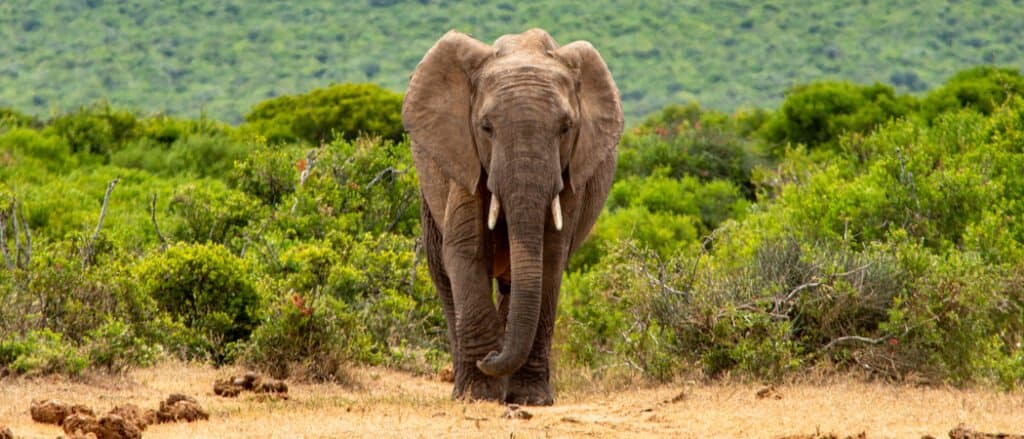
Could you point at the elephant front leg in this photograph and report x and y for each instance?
(477, 328)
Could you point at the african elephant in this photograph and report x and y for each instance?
(515, 148)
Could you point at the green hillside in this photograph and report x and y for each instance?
(187, 57)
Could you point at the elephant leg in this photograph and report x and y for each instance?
(476, 323)
(432, 245)
(531, 384)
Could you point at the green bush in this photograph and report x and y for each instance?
(212, 212)
(115, 346)
(343, 111)
(98, 129)
(269, 174)
(40, 352)
(983, 89)
(819, 113)
(210, 290)
(314, 337)
(691, 141)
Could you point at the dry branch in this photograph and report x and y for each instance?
(3, 240)
(87, 253)
(152, 215)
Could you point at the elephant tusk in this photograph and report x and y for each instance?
(556, 212)
(492, 215)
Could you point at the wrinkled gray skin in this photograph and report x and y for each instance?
(522, 121)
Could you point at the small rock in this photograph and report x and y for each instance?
(5, 433)
(514, 412)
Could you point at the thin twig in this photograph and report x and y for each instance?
(376, 179)
(152, 215)
(306, 171)
(99, 225)
(3, 240)
(856, 338)
(17, 233)
(28, 238)
(417, 245)
(259, 235)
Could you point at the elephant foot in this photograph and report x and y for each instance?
(471, 383)
(526, 388)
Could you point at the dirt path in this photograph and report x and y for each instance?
(392, 404)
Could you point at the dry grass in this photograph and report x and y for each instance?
(385, 403)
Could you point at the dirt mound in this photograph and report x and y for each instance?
(963, 432)
(446, 374)
(5, 433)
(251, 381)
(178, 408)
(110, 426)
(79, 424)
(135, 415)
(52, 411)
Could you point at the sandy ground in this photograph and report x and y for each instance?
(385, 403)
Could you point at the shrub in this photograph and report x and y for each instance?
(311, 335)
(340, 111)
(690, 141)
(982, 89)
(268, 174)
(819, 113)
(115, 346)
(41, 352)
(211, 212)
(210, 290)
(97, 129)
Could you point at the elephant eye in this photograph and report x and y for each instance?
(566, 126)
(486, 126)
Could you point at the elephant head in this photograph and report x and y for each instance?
(518, 123)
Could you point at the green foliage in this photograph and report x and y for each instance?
(115, 346)
(343, 111)
(210, 290)
(268, 174)
(96, 129)
(819, 113)
(222, 58)
(40, 352)
(983, 89)
(690, 141)
(212, 213)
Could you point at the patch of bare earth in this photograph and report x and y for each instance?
(383, 403)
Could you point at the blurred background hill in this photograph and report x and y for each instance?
(188, 57)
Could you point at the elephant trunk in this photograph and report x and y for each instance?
(528, 209)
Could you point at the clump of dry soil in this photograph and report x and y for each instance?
(251, 381)
(178, 407)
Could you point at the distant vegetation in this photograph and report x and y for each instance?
(853, 228)
(218, 59)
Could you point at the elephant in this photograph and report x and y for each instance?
(514, 145)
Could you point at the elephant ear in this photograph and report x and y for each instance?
(601, 118)
(436, 109)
